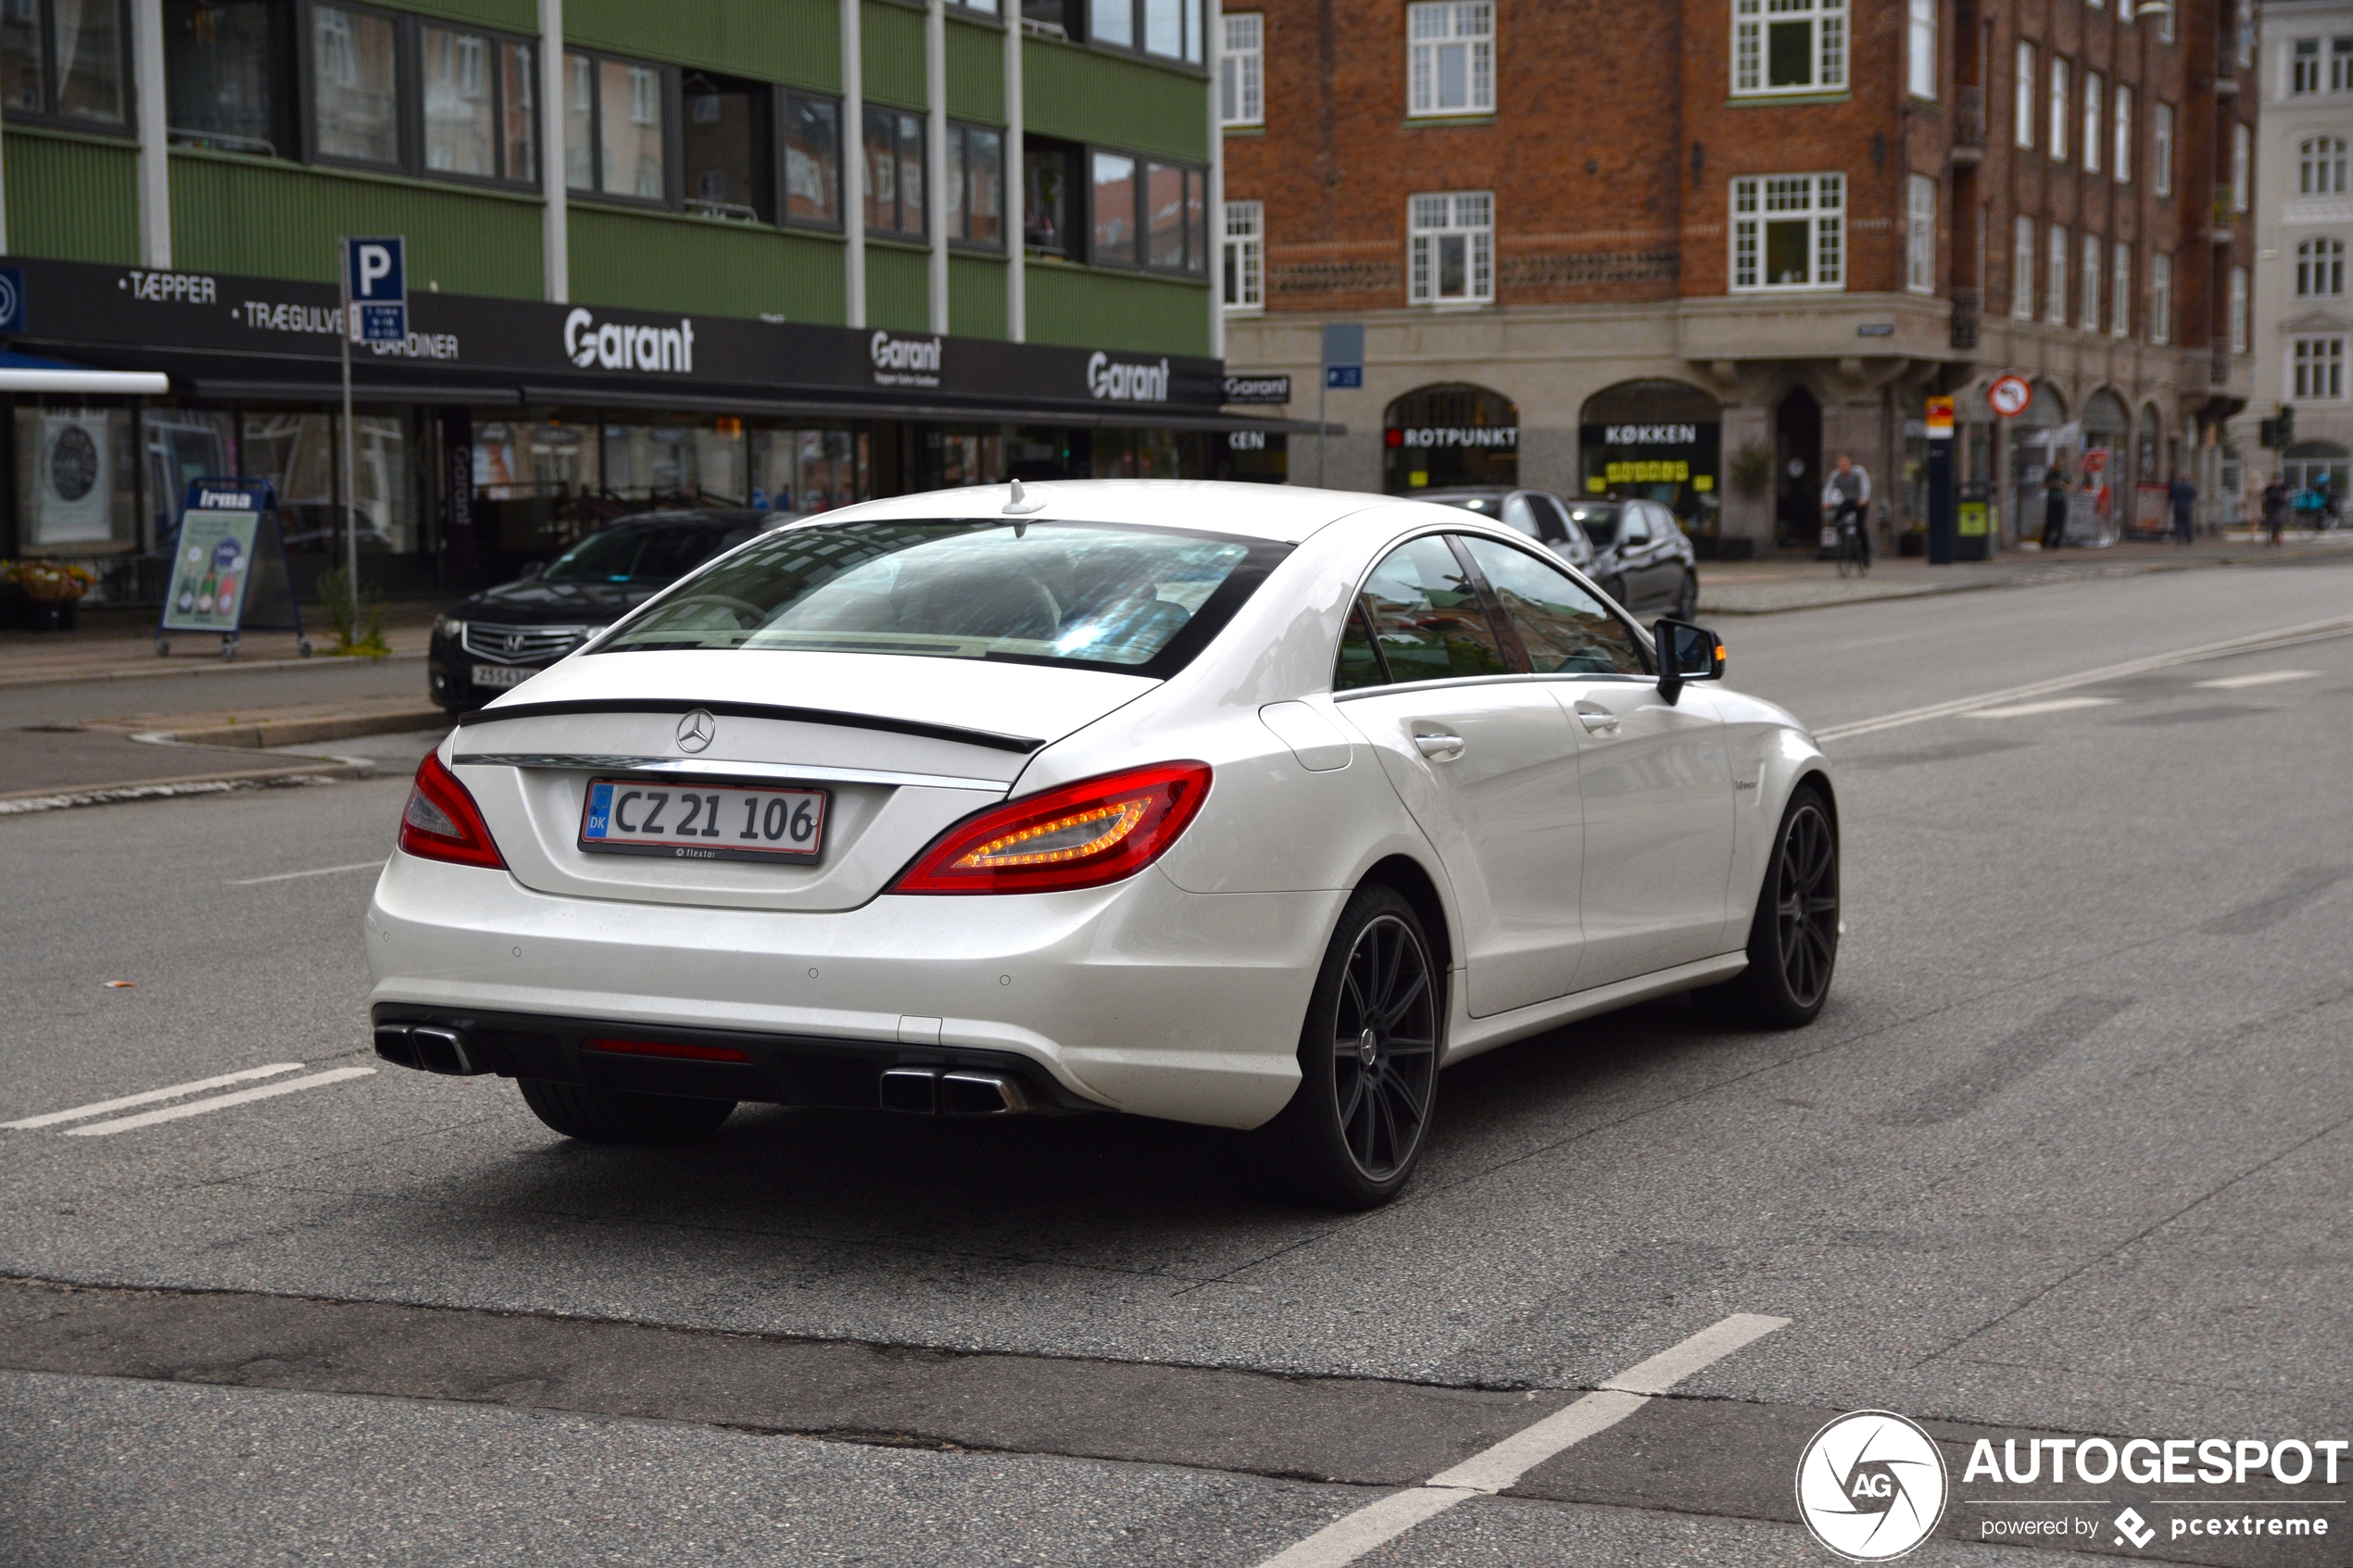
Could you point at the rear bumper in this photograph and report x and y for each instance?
(1139, 996)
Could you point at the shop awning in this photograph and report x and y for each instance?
(1131, 417)
(26, 373)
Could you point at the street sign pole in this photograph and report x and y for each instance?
(375, 309)
(1343, 368)
(350, 486)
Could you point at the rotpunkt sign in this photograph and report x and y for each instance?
(616, 346)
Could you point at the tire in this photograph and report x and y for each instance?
(1356, 1126)
(1687, 601)
(617, 1116)
(1793, 940)
(1615, 589)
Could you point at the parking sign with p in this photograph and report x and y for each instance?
(376, 282)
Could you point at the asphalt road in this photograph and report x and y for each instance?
(2067, 1154)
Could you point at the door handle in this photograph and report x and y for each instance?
(1597, 721)
(1438, 745)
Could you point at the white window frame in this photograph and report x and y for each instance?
(2023, 253)
(2023, 104)
(1827, 42)
(2120, 113)
(1241, 69)
(1241, 256)
(2161, 298)
(2059, 128)
(1919, 233)
(2319, 268)
(2303, 58)
(2242, 165)
(2095, 119)
(1431, 218)
(2161, 150)
(2320, 166)
(1919, 61)
(2094, 266)
(2238, 311)
(2341, 65)
(2119, 291)
(2165, 25)
(2058, 259)
(1756, 197)
(2315, 369)
(1433, 27)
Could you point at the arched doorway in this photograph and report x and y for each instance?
(1449, 434)
(1657, 441)
(1797, 468)
(2038, 444)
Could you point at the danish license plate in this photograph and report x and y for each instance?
(501, 674)
(702, 821)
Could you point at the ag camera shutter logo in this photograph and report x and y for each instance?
(1871, 1486)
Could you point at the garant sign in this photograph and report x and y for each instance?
(1122, 381)
(904, 361)
(618, 346)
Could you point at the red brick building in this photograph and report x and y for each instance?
(1694, 248)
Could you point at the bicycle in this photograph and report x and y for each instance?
(1853, 547)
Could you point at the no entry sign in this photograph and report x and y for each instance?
(2009, 396)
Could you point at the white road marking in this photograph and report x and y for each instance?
(297, 876)
(1352, 1534)
(2027, 709)
(219, 1102)
(83, 1113)
(2268, 677)
(2285, 637)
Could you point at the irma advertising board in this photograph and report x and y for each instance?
(563, 346)
(214, 562)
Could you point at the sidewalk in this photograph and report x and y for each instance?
(1799, 582)
(119, 653)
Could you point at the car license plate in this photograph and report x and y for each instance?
(702, 821)
(502, 674)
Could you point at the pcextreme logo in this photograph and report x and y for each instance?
(1871, 1486)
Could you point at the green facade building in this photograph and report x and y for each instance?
(788, 253)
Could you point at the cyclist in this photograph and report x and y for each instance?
(1846, 501)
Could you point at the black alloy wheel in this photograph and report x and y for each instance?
(1369, 1063)
(1615, 589)
(1687, 601)
(1792, 941)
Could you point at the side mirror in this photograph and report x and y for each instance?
(530, 568)
(1685, 652)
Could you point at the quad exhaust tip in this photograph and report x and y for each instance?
(934, 1091)
(429, 1049)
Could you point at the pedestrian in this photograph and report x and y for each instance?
(2054, 508)
(2275, 500)
(2183, 495)
(1849, 496)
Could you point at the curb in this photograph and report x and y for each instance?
(301, 732)
(135, 672)
(325, 770)
(2091, 573)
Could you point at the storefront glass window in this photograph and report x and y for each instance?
(677, 463)
(807, 471)
(1138, 454)
(76, 487)
(536, 484)
(298, 454)
(812, 161)
(358, 104)
(183, 445)
(224, 81)
(636, 151)
(461, 128)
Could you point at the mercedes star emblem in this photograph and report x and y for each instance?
(696, 730)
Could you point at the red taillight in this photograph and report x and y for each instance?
(1082, 835)
(443, 822)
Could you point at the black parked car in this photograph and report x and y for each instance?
(502, 637)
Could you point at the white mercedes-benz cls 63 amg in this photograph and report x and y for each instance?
(1238, 804)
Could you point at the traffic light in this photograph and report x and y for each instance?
(2279, 433)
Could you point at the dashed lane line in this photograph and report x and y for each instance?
(2027, 709)
(176, 1091)
(2262, 678)
(1494, 1469)
(298, 876)
(219, 1102)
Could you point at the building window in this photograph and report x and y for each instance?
(1245, 256)
(2319, 269)
(1789, 232)
(1170, 29)
(1789, 45)
(2058, 108)
(2316, 369)
(976, 185)
(63, 59)
(893, 174)
(2054, 285)
(2023, 98)
(2238, 311)
(1451, 258)
(2162, 151)
(2320, 166)
(616, 128)
(2160, 299)
(812, 161)
(2304, 67)
(2095, 111)
(2242, 165)
(355, 76)
(2341, 65)
(2090, 318)
(2165, 25)
(1148, 214)
(1046, 196)
(1919, 235)
(728, 147)
(1241, 94)
(2119, 293)
(1920, 57)
(2022, 269)
(2120, 162)
(1451, 68)
(228, 81)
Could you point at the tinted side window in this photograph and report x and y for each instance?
(1635, 528)
(1552, 523)
(1428, 617)
(1359, 664)
(1564, 629)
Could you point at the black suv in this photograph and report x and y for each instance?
(502, 637)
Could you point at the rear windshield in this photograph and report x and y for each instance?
(1139, 600)
(1600, 523)
(642, 557)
